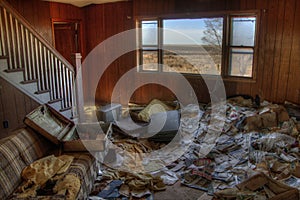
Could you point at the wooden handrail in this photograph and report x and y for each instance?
(15, 13)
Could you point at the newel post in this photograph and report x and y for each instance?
(78, 89)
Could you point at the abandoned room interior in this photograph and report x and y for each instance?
(150, 99)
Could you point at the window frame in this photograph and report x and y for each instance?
(225, 67)
(226, 48)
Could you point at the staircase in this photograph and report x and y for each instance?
(33, 66)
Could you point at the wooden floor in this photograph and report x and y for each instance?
(180, 192)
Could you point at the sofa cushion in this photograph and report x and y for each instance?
(16, 152)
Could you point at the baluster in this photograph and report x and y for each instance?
(2, 33)
(8, 41)
(48, 70)
(37, 64)
(17, 38)
(33, 55)
(12, 42)
(72, 94)
(59, 78)
(41, 66)
(67, 87)
(62, 85)
(53, 75)
(27, 56)
(23, 52)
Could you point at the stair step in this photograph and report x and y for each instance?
(75, 117)
(14, 70)
(29, 81)
(54, 101)
(65, 109)
(67, 113)
(42, 91)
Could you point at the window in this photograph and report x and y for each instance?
(223, 44)
(149, 53)
(241, 47)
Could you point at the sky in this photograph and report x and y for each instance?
(190, 31)
(182, 31)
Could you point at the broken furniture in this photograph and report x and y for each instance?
(61, 131)
(259, 186)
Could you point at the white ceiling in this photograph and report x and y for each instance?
(81, 3)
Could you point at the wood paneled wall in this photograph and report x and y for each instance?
(278, 54)
(102, 22)
(37, 13)
(60, 11)
(40, 13)
(14, 106)
(278, 65)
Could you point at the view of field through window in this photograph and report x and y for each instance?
(195, 46)
(188, 46)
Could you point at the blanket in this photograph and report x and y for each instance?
(37, 174)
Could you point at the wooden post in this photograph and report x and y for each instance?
(78, 105)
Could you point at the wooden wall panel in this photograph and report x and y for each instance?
(277, 65)
(14, 106)
(278, 61)
(263, 33)
(104, 21)
(65, 11)
(293, 90)
(287, 42)
(37, 13)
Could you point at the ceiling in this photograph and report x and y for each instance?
(81, 3)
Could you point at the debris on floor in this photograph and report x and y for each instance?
(250, 152)
(259, 186)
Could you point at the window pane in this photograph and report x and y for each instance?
(195, 45)
(243, 31)
(190, 60)
(204, 31)
(150, 60)
(149, 33)
(241, 61)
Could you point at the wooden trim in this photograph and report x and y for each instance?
(80, 32)
(29, 81)
(54, 101)
(65, 109)
(42, 91)
(193, 15)
(226, 15)
(14, 70)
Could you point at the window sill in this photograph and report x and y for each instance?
(208, 77)
(225, 79)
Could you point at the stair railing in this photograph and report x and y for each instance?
(27, 51)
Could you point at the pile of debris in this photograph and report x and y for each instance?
(249, 151)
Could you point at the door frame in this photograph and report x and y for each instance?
(80, 32)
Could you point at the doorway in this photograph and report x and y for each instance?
(67, 37)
